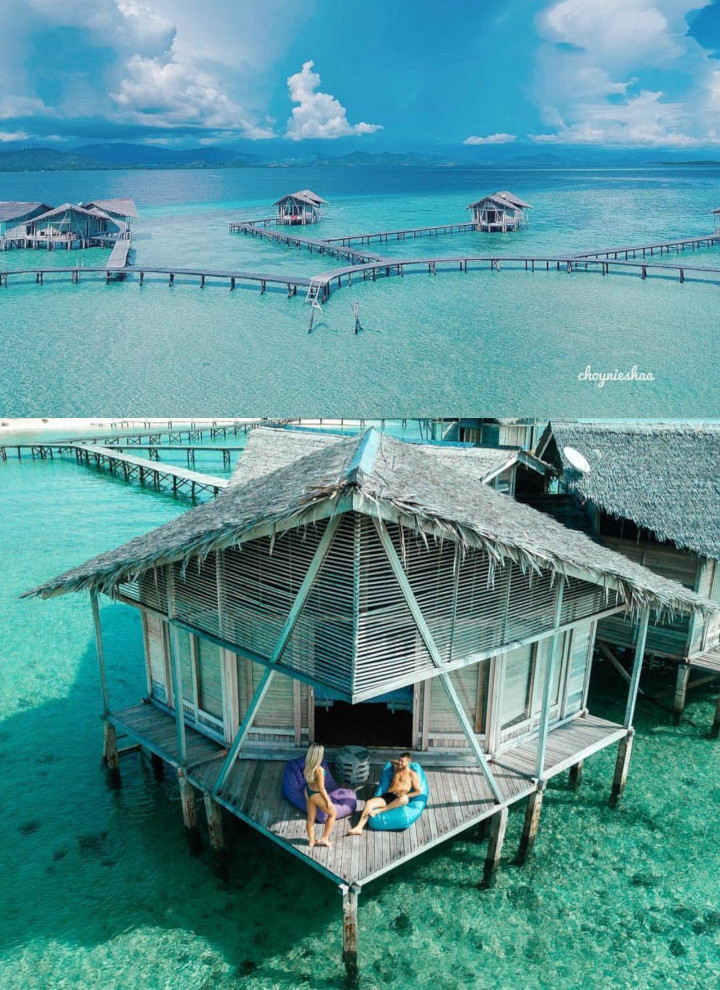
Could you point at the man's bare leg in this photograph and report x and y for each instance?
(370, 805)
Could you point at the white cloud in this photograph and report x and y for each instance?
(12, 106)
(501, 138)
(318, 115)
(592, 67)
(6, 136)
(167, 93)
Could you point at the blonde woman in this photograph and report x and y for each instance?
(316, 796)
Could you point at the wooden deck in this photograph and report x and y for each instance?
(459, 794)
(410, 233)
(709, 661)
(661, 247)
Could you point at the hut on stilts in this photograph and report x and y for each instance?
(301, 207)
(651, 493)
(352, 570)
(500, 212)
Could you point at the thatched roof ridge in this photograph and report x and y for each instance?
(304, 196)
(15, 210)
(75, 208)
(662, 476)
(439, 496)
(271, 448)
(503, 199)
(123, 207)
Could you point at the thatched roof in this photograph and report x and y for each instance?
(74, 208)
(116, 207)
(269, 449)
(14, 210)
(371, 473)
(503, 199)
(303, 196)
(665, 478)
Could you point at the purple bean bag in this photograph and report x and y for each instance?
(293, 789)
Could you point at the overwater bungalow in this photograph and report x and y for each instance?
(300, 207)
(716, 218)
(14, 218)
(487, 432)
(500, 212)
(651, 493)
(357, 571)
(70, 225)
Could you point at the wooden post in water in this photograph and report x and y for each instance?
(495, 844)
(622, 764)
(681, 685)
(214, 823)
(350, 931)
(576, 772)
(715, 731)
(532, 821)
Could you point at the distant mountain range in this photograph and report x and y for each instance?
(141, 156)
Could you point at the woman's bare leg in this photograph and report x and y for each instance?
(310, 822)
(332, 815)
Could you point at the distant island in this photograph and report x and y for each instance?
(97, 157)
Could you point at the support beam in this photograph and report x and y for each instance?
(496, 839)
(176, 670)
(532, 821)
(681, 686)
(350, 932)
(287, 629)
(621, 767)
(637, 667)
(213, 814)
(100, 652)
(576, 772)
(432, 649)
(547, 687)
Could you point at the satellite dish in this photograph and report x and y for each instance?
(576, 459)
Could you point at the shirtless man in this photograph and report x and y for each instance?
(404, 787)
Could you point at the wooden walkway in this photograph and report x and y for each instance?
(326, 247)
(661, 247)
(165, 477)
(411, 233)
(119, 255)
(265, 281)
(459, 795)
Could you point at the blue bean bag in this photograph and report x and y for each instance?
(293, 789)
(398, 819)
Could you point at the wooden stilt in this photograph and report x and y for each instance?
(214, 823)
(495, 843)
(715, 731)
(532, 820)
(681, 686)
(189, 813)
(158, 765)
(110, 748)
(576, 772)
(350, 932)
(621, 767)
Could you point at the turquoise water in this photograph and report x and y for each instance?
(482, 343)
(99, 892)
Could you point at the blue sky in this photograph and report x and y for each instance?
(383, 74)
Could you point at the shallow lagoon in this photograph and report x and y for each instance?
(478, 343)
(99, 891)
